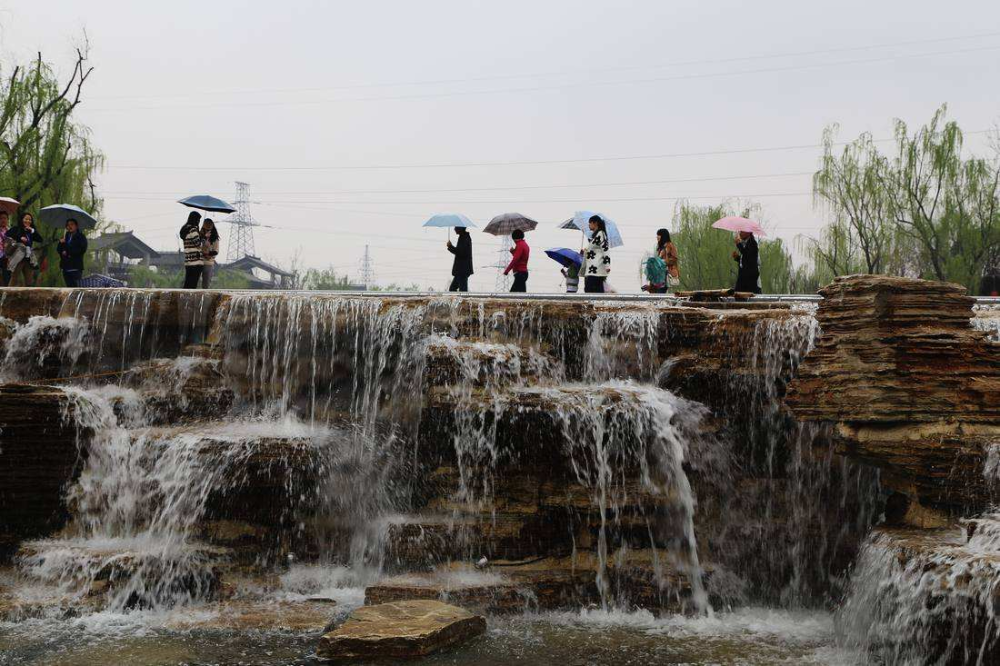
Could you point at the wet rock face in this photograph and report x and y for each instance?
(911, 385)
(400, 630)
(41, 453)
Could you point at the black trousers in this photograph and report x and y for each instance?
(192, 275)
(72, 278)
(594, 285)
(459, 283)
(520, 282)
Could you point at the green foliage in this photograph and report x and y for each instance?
(927, 210)
(45, 156)
(146, 277)
(705, 253)
(325, 279)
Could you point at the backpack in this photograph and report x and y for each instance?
(656, 270)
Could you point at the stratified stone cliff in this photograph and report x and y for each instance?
(912, 387)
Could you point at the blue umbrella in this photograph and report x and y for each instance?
(565, 256)
(449, 220)
(581, 221)
(56, 216)
(206, 202)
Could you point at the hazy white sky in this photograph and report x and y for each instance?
(304, 99)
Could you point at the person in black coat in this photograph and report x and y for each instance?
(461, 269)
(71, 249)
(748, 257)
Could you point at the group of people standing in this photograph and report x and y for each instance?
(662, 269)
(21, 245)
(201, 247)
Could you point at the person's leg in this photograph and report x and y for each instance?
(520, 283)
(72, 278)
(191, 276)
(456, 283)
(20, 274)
(592, 285)
(206, 275)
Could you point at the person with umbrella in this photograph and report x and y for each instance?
(596, 262)
(22, 261)
(191, 235)
(570, 260)
(71, 249)
(519, 262)
(747, 255)
(514, 224)
(461, 268)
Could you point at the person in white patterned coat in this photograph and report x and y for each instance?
(596, 261)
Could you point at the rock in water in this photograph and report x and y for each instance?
(400, 630)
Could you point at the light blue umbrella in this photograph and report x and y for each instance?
(581, 221)
(56, 216)
(449, 220)
(206, 202)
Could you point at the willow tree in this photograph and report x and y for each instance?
(46, 156)
(945, 202)
(852, 184)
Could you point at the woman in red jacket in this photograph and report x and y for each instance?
(519, 262)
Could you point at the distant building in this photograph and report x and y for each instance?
(266, 277)
(118, 252)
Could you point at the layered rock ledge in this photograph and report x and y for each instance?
(911, 385)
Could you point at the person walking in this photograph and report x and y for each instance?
(22, 259)
(71, 249)
(461, 267)
(4, 227)
(209, 251)
(193, 264)
(519, 262)
(596, 262)
(748, 256)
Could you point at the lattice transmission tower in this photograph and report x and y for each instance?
(367, 270)
(242, 224)
(503, 281)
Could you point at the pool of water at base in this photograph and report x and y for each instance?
(586, 638)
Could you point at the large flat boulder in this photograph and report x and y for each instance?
(400, 630)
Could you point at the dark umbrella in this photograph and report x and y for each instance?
(206, 202)
(56, 216)
(506, 223)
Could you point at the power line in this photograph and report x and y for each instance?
(683, 63)
(563, 86)
(453, 165)
(170, 196)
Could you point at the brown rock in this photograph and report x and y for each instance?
(911, 385)
(400, 630)
(41, 453)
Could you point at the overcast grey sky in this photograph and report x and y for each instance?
(277, 93)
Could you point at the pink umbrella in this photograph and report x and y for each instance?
(732, 223)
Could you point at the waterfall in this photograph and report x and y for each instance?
(926, 598)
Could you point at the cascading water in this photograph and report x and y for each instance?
(357, 408)
(916, 598)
